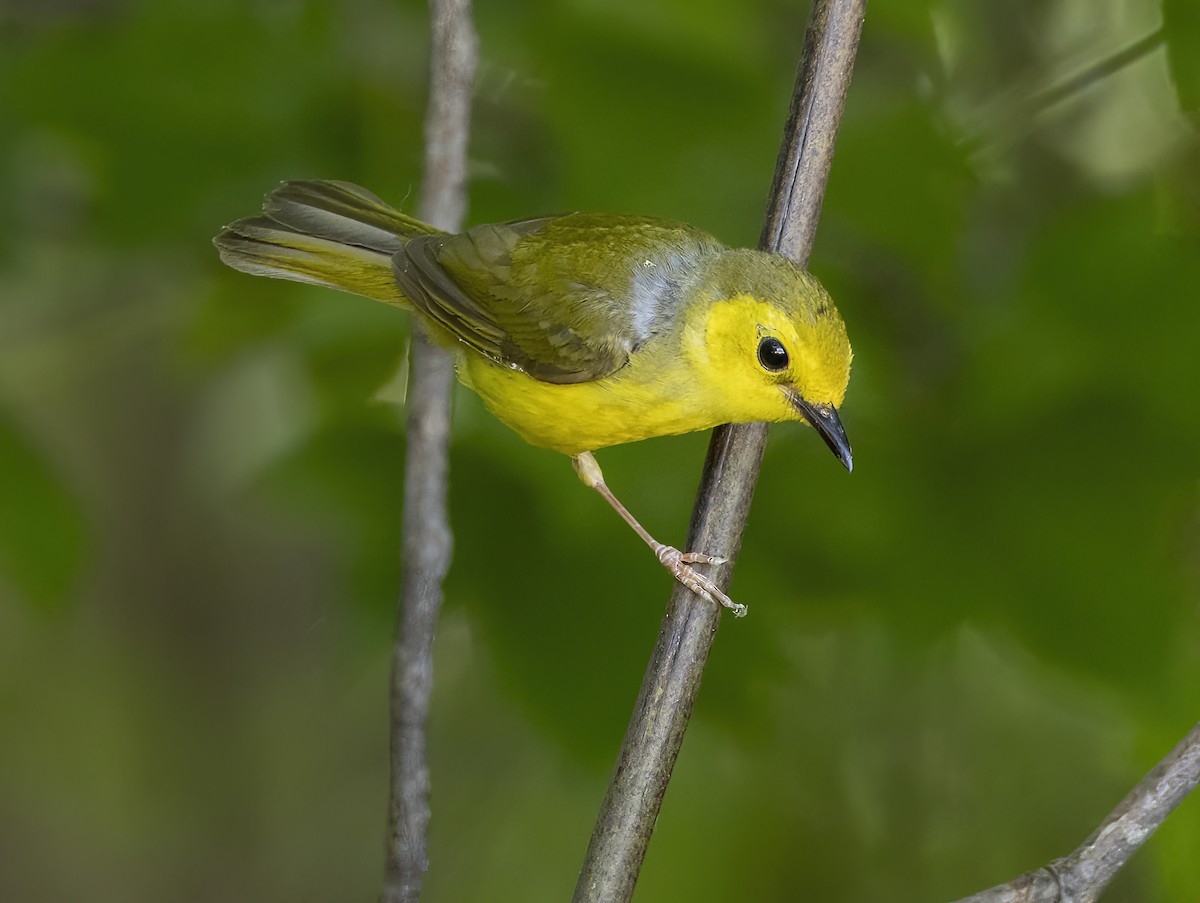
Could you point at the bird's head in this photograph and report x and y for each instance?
(772, 346)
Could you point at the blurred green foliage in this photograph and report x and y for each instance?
(957, 659)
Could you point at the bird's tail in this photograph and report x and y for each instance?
(326, 233)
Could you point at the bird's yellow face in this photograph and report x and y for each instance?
(775, 362)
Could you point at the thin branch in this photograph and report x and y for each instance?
(1083, 875)
(1095, 72)
(802, 168)
(454, 56)
(1017, 118)
(427, 541)
(672, 681)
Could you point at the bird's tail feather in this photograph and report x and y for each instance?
(325, 233)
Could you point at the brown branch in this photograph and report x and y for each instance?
(427, 538)
(672, 682)
(1083, 875)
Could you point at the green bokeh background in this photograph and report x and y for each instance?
(957, 659)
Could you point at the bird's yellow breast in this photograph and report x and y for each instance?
(676, 384)
(585, 416)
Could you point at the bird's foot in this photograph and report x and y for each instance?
(677, 563)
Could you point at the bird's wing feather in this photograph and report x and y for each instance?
(566, 299)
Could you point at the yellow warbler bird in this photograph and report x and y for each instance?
(579, 331)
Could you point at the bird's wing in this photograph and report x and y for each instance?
(566, 299)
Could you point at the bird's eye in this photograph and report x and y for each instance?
(771, 354)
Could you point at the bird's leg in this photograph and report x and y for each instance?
(672, 559)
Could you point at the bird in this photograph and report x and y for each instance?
(579, 331)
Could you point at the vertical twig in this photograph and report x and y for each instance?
(672, 680)
(427, 538)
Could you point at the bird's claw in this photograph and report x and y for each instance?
(677, 563)
(700, 558)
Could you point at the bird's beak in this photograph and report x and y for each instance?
(824, 419)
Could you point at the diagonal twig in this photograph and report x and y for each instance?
(1083, 875)
(427, 540)
(1011, 119)
(672, 682)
